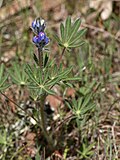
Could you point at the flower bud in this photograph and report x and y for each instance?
(38, 25)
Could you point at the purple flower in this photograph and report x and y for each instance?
(40, 40)
(38, 25)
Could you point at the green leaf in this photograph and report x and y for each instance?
(65, 72)
(78, 44)
(52, 82)
(46, 58)
(68, 104)
(80, 102)
(17, 71)
(30, 74)
(86, 100)
(3, 78)
(37, 157)
(35, 58)
(74, 29)
(87, 108)
(1, 71)
(4, 87)
(67, 28)
(70, 34)
(67, 84)
(62, 31)
(49, 91)
(2, 81)
(46, 77)
(31, 86)
(86, 151)
(57, 39)
(90, 147)
(18, 75)
(3, 138)
(40, 74)
(78, 36)
(72, 79)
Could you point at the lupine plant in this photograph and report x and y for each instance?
(45, 73)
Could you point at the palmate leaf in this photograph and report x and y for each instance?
(16, 70)
(71, 34)
(56, 75)
(86, 151)
(82, 106)
(18, 75)
(37, 83)
(30, 74)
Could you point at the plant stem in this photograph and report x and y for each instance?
(40, 60)
(63, 51)
(40, 105)
(43, 123)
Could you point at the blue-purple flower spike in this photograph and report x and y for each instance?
(38, 27)
(40, 40)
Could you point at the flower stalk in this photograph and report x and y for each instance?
(40, 59)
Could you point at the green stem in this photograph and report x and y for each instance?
(40, 59)
(40, 105)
